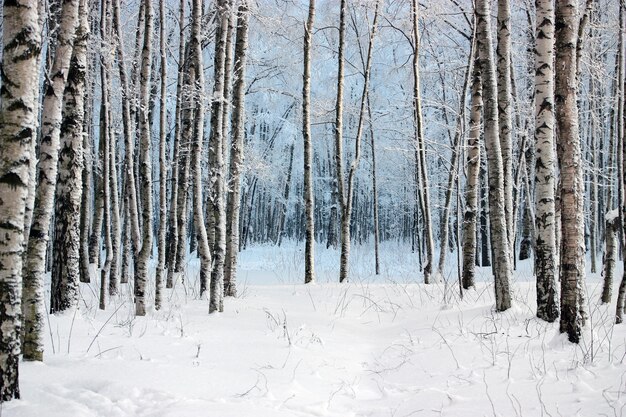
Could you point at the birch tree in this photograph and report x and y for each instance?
(141, 274)
(196, 130)
(46, 183)
(160, 272)
(66, 268)
(217, 173)
(572, 189)
(236, 151)
(470, 217)
(421, 183)
(503, 53)
(502, 267)
(21, 45)
(545, 165)
(346, 202)
(309, 197)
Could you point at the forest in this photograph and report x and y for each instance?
(312, 207)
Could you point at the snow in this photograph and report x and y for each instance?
(377, 346)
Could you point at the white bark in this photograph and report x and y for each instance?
(21, 44)
(47, 177)
(572, 189)
(309, 196)
(502, 267)
(236, 152)
(545, 166)
(141, 274)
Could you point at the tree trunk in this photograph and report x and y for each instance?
(162, 162)
(497, 213)
(66, 266)
(174, 234)
(309, 192)
(128, 123)
(195, 129)
(21, 45)
(347, 195)
(572, 190)
(236, 152)
(612, 218)
(472, 209)
(545, 167)
(141, 274)
(47, 178)
(218, 187)
(503, 54)
(420, 148)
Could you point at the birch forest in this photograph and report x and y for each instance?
(312, 207)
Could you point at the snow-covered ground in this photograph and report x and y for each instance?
(377, 346)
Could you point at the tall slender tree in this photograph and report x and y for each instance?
(309, 196)
(502, 260)
(545, 166)
(66, 268)
(503, 54)
(217, 173)
(472, 209)
(141, 275)
(236, 151)
(21, 45)
(572, 188)
(422, 182)
(46, 183)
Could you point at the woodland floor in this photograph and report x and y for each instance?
(377, 346)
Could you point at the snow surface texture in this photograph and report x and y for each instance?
(377, 346)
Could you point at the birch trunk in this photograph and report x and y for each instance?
(218, 188)
(46, 184)
(141, 274)
(545, 164)
(162, 161)
(176, 163)
(196, 129)
(66, 266)
(374, 192)
(421, 149)
(503, 53)
(21, 45)
(613, 225)
(472, 209)
(569, 152)
(497, 212)
(128, 124)
(309, 195)
(347, 202)
(236, 151)
(105, 137)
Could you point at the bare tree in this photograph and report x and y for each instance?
(472, 209)
(236, 152)
(46, 183)
(545, 166)
(503, 53)
(160, 272)
(572, 187)
(21, 44)
(218, 187)
(309, 196)
(502, 267)
(347, 195)
(66, 268)
(421, 182)
(141, 274)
